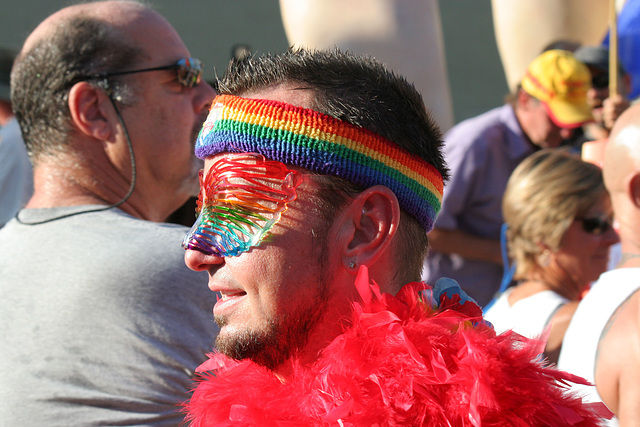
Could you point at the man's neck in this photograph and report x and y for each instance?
(339, 313)
(316, 344)
(523, 123)
(629, 243)
(66, 183)
(629, 260)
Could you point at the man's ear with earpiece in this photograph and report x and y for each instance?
(368, 226)
(90, 108)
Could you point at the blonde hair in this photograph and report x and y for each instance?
(544, 195)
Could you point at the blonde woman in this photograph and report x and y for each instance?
(559, 219)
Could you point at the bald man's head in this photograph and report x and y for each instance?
(76, 44)
(622, 156)
(117, 13)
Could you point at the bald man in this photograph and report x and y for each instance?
(617, 370)
(603, 339)
(100, 321)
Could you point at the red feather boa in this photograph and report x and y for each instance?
(400, 363)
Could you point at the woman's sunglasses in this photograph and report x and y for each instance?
(188, 71)
(596, 225)
(600, 81)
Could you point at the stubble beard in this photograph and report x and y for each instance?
(284, 336)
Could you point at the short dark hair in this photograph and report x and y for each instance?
(359, 90)
(42, 77)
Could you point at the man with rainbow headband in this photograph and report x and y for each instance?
(323, 175)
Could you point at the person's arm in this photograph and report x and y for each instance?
(465, 244)
(612, 107)
(617, 372)
(467, 157)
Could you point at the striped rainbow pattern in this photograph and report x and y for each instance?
(322, 144)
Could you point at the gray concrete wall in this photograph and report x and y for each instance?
(210, 28)
(475, 71)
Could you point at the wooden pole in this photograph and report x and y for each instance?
(613, 48)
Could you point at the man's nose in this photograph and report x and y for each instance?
(199, 261)
(566, 133)
(205, 94)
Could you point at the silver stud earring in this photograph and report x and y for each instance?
(352, 265)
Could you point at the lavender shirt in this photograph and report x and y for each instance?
(481, 153)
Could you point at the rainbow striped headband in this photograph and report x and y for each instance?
(322, 144)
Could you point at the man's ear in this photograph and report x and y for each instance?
(634, 189)
(90, 107)
(368, 226)
(523, 99)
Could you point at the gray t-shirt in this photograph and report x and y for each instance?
(101, 323)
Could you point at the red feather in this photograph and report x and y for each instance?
(400, 363)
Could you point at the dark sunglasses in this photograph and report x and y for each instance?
(600, 81)
(596, 225)
(188, 71)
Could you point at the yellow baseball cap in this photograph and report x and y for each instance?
(561, 82)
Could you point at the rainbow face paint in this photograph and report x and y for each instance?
(241, 198)
(322, 144)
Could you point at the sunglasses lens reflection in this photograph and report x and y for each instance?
(189, 72)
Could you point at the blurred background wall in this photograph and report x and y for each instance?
(213, 28)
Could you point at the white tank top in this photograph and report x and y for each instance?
(580, 345)
(528, 317)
